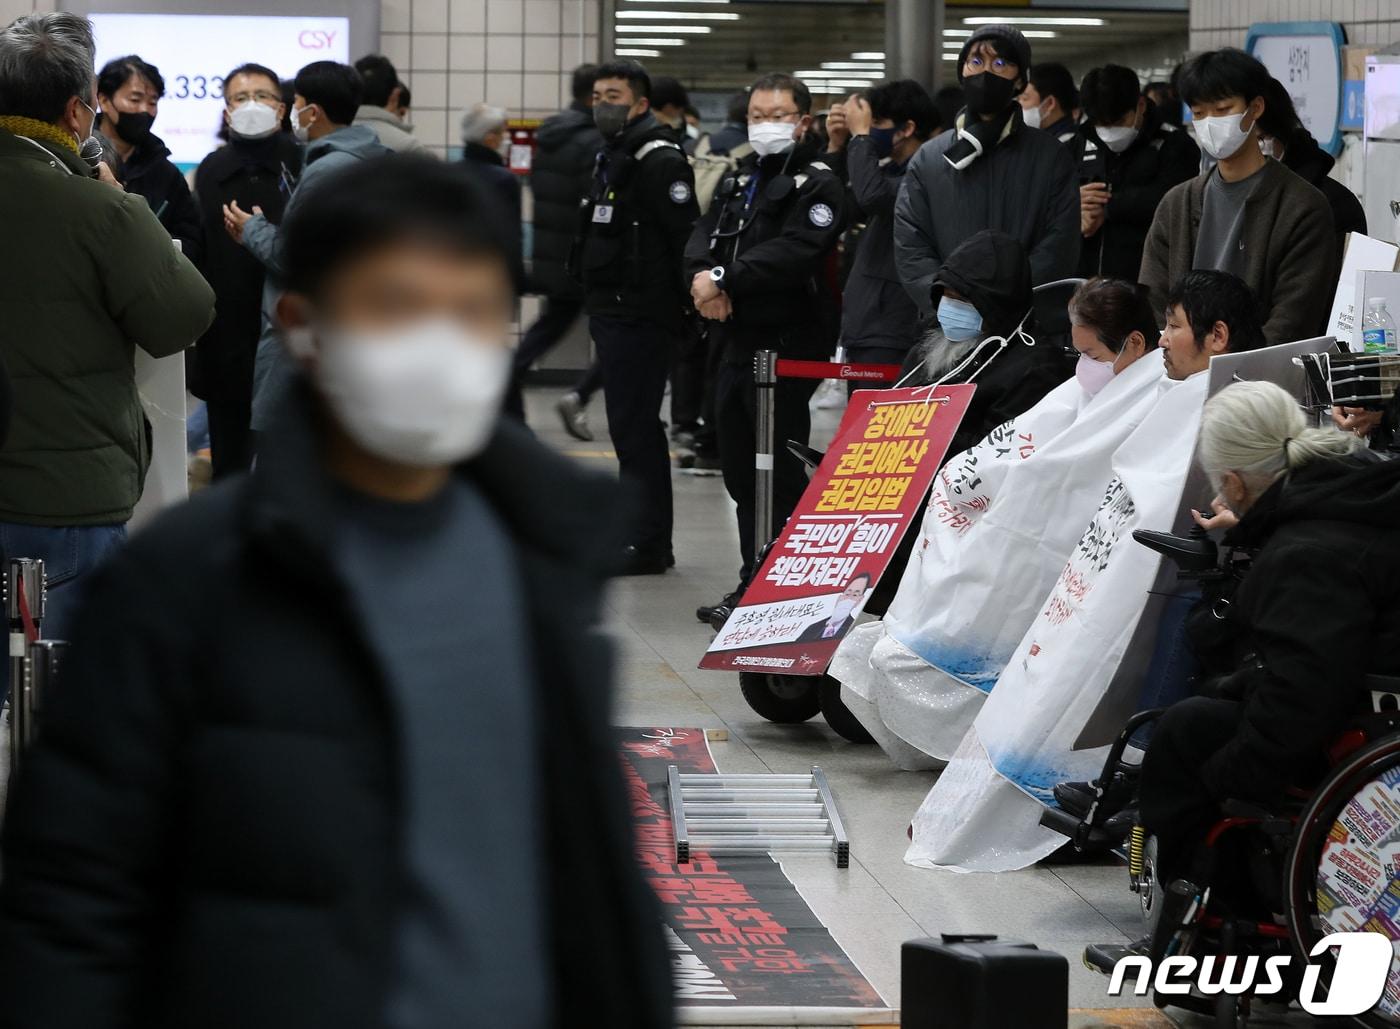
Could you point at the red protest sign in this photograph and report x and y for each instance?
(867, 493)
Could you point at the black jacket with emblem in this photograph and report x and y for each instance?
(210, 830)
(770, 227)
(634, 225)
(1161, 156)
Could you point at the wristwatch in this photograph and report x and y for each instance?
(717, 276)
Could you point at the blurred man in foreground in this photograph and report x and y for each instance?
(297, 779)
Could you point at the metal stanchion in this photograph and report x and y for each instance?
(765, 375)
(43, 664)
(24, 611)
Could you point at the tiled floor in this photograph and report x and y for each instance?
(879, 902)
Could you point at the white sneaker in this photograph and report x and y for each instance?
(830, 395)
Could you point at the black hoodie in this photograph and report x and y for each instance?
(1317, 613)
(992, 272)
(1311, 163)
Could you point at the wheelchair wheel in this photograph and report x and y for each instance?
(838, 715)
(1343, 873)
(1149, 889)
(1230, 1012)
(786, 699)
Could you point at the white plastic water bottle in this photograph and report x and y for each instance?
(1377, 328)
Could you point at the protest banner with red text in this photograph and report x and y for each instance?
(866, 494)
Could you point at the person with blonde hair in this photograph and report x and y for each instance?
(1316, 614)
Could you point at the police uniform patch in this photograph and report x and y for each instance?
(820, 215)
(680, 191)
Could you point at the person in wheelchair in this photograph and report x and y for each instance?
(986, 334)
(1317, 612)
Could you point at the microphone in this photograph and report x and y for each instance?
(91, 152)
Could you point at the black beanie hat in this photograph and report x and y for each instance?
(1010, 38)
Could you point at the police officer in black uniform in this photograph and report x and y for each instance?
(754, 262)
(634, 226)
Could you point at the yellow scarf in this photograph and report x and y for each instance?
(37, 130)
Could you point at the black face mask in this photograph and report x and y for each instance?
(134, 128)
(611, 119)
(987, 93)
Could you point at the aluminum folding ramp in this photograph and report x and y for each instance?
(726, 814)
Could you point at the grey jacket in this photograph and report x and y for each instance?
(390, 129)
(273, 371)
(1025, 187)
(1288, 242)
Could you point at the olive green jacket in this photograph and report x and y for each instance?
(87, 275)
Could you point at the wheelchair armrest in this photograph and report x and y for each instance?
(1194, 553)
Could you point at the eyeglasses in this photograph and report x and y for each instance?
(262, 96)
(758, 117)
(997, 64)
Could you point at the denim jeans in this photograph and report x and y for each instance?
(1173, 670)
(69, 554)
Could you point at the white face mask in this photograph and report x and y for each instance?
(1116, 137)
(253, 120)
(1031, 116)
(427, 395)
(300, 131)
(1223, 135)
(771, 137)
(842, 610)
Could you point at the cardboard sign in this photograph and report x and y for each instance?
(866, 494)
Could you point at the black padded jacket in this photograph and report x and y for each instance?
(208, 831)
(566, 147)
(1317, 612)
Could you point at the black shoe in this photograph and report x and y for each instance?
(1102, 957)
(1074, 797)
(1077, 797)
(700, 462)
(706, 612)
(644, 562)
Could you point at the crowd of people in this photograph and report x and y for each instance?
(261, 767)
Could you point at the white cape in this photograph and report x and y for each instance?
(983, 814)
(1001, 521)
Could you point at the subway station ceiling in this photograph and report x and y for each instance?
(721, 45)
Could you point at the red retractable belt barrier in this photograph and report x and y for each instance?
(790, 369)
(31, 631)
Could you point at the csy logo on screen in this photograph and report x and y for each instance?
(316, 39)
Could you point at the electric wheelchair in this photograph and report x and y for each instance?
(1264, 883)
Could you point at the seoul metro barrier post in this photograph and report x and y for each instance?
(34, 661)
(866, 493)
(25, 596)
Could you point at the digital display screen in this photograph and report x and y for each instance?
(195, 51)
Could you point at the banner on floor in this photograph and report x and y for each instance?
(865, 495)
(741, 935)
